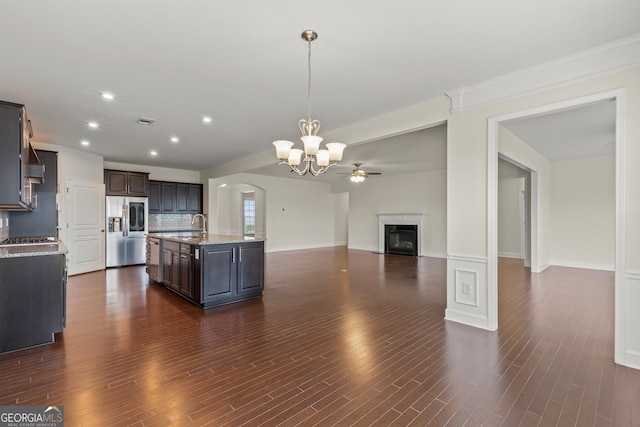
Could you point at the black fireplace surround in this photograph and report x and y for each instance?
(401, 239)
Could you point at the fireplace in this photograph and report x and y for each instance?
(401, 239)
(400, 233)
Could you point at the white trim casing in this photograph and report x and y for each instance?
(632, 292)
(611, 57)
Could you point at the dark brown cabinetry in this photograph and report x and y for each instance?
(42, 220)
(18, 160)
(177, 267)
(162, 197)
(230, 272)
(174, 197)
(212, 274)
(32, 300)
(124, 183)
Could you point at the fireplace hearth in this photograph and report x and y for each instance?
(401, 239)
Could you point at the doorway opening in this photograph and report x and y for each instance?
(539, 258)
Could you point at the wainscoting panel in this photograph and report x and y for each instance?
(466, 287)
(467, 290)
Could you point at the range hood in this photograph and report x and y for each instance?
(34, 170)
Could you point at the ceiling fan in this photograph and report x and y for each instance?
(358, 175)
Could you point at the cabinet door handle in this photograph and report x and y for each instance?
(239, 254)
(233, 255)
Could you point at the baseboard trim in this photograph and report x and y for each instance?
(301, 248)
(585, 265)
(632, 359)
(509, 255)
(466, 319)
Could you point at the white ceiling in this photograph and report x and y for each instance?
(243, 63)
(587, 131)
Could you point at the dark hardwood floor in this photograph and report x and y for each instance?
(339, 338)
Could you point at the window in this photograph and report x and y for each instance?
(249, 214)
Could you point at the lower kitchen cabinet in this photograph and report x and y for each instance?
(32, 300)
(177, 267)
(230, 272)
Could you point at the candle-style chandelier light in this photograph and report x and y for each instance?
(324, 158)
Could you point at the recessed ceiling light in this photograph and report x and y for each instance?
(206, 119)
(222, 185)
(175, 139)
(107, 95)
(85, 143)
(93, 125)
(154, 153)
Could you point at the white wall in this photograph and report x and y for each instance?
(299, 213)
(420, 193)
(158, 173)
(540, 222)
(510, 222)
(229, 208)
(341, 218)
(583, 222)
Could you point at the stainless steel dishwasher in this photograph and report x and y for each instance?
(153, 259)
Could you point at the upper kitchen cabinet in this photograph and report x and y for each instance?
(174, 197)
(124, 183)
(188, 198)
(20, 167)
(162, 197)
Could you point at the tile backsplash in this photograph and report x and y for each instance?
(159, 222)
(4, 231)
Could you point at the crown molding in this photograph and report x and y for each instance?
(611, 57)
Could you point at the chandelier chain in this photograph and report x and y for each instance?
(309, 82)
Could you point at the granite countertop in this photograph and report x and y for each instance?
(33, 250)
(175, 230)
(201, 239)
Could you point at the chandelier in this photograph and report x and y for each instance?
(324, 158)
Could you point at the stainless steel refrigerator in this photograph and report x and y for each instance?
(127, 227)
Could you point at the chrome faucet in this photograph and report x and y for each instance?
(204, 222)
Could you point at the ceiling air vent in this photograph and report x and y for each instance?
(145, 121)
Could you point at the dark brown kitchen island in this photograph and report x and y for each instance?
(207, 269)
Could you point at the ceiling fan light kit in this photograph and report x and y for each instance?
(358, 175)
(324, 158)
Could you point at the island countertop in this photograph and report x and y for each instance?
(203, 239)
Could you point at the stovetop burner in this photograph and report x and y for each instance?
(31, 240)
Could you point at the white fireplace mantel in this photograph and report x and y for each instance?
(399, 219)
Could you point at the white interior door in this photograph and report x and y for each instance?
(85, 236)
